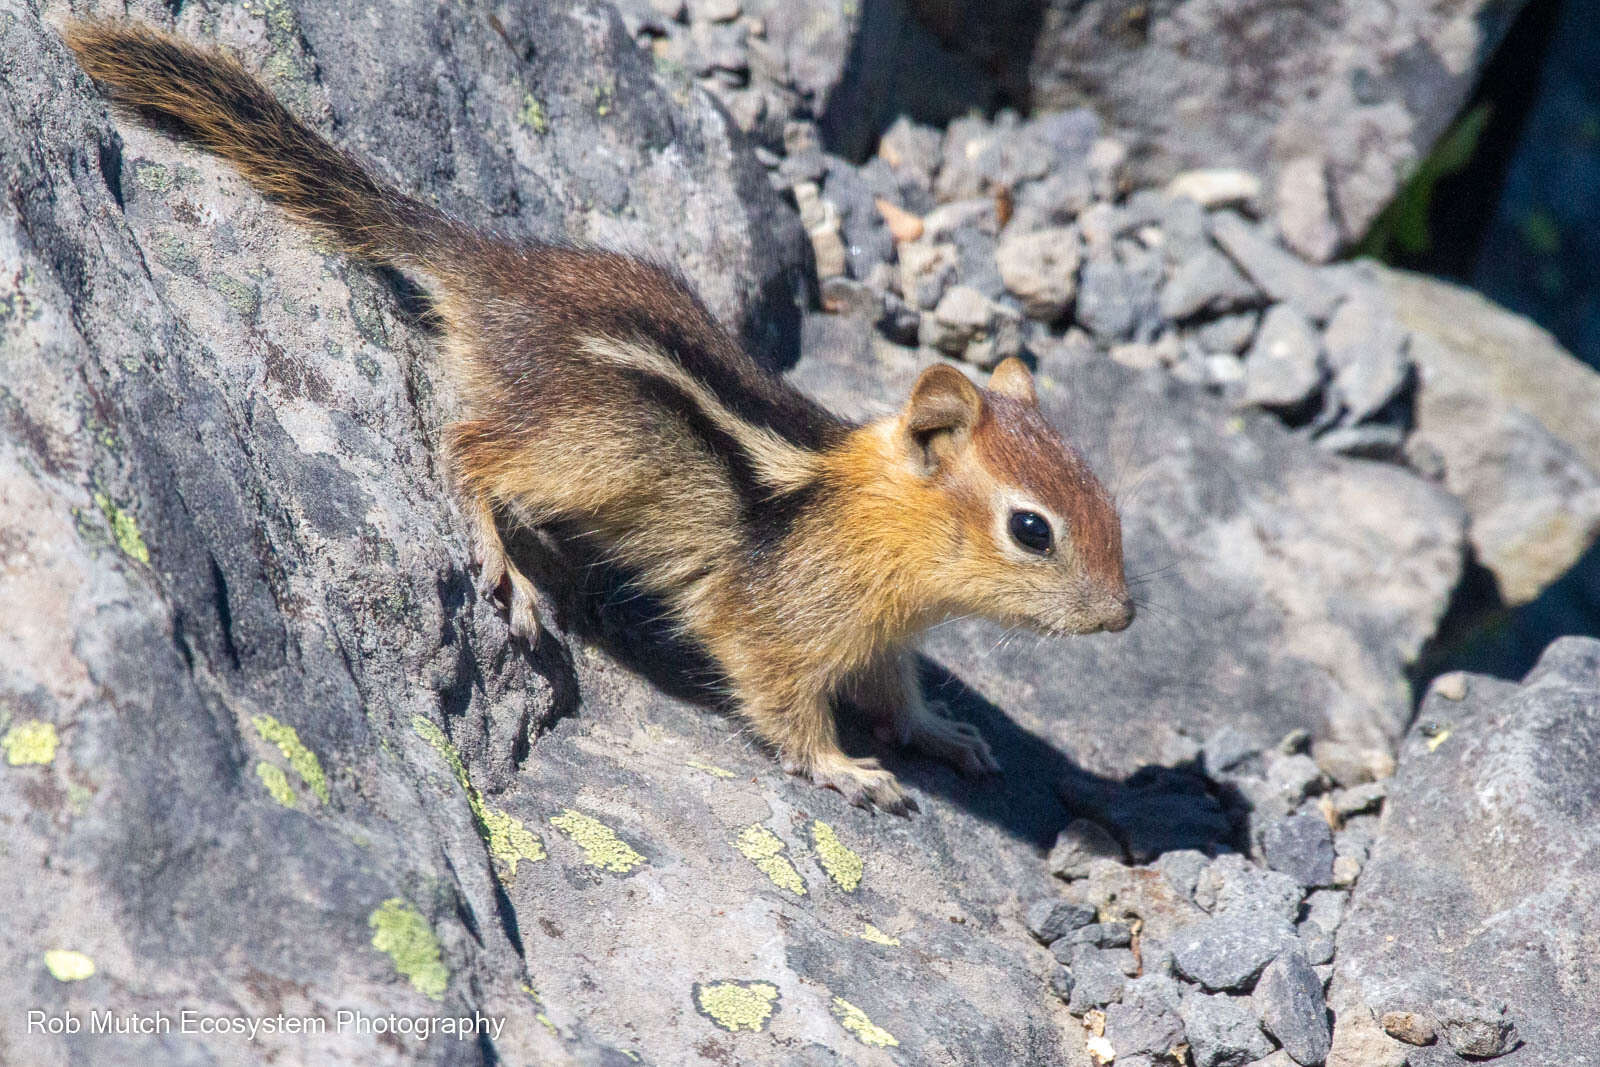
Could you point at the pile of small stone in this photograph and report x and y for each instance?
(1202, 931)
(993, 237)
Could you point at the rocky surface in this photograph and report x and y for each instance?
(266, 752)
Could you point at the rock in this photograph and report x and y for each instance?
(846, 296)
(1289, 1000)
(716, 10)
(1117, 296)
(1228, 951)
(1451, 686)
(1100, 935)
(1078, 846)
(1189, 85)
(1154, 810)
(1474, 1028)
(1284, 365)
(1509, 413)
(1300, 846)
(1228, 333)
(1182, 868)
(1279, 274)
(903, 225)
(1041, 270)
(912, 150)
(1346, 869)
(1222, 1031)
(1061, 983)
(1532, 756)
(1098, 977)
(1412, 1027)
(1216, 188)
(1207, 282)
(926, 270)
(1350, 765)
(1366, 348)
(970, 326)
(1232, 884)
(1325, 908)
(1305, 213)
(1358, 799)
(1146, 1019)
(1050, 920)
(1372, 440)
(821, 220)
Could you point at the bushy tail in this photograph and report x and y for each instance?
(206, 97)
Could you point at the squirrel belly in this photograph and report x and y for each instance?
(803, 553)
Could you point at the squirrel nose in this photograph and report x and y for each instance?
(1120, 618)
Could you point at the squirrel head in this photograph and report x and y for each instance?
(1033, 538)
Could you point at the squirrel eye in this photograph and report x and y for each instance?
(1030, 530)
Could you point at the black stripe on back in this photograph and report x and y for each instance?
(766, 513)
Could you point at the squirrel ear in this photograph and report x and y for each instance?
(942, 411)
(1011, 378)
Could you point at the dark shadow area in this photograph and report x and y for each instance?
(1156, 809)
(931, 60)
(1481, 634)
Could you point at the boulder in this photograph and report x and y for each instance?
(1509, 773)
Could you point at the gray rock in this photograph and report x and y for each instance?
(1100, 935)
(1080, 845)
(1061, 983)
(1278, 273)
(1324, 908)
(1371, 440)
(1098, 976)
(1146, 1020)
(926, 269)
(912, 150)
(1366, 348)
(1300, 846)
(1228, 951)
(1117, 296)
(1182, 868)
(1232, 884)
(1154, 810)
(1041, 270)
(1228, 333)
(1205, 283)
(1532, 756)
(1049, 920)
(1509, 413)
(1412, 1027)
(1222, 1030)
(1227, 747)
(1289, 999)
(1284, 365)
(1347, 99)
(1475, 1028)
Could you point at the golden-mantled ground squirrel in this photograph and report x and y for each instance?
(803, 553)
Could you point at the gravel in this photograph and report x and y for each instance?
(1289, 1000)
(1222, 1030)
(1228, 951)
(1301, 847)
(1050, 920)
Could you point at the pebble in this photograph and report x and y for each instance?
(1284, 365)
(1080, 844)
(1147, 1019)
(926, 270)
(1182, 868)
(1348, 764)
(1232, 884)
(1475, 1028)
(1098, 976)
(1041, 270)
(903, 225)
(1289, 1000)
(1227, 952)
(1117, 296)
(1373, 440)
(1229, 333)
(1279, 273)
(1061, 983)
(1346, 869)
(1222, 1030)
(1300, 846)
(1452, 686)
(1050, 920)
(1099, 935)
(1366, 348)
(1412, 1027)
(1305, 212)
(1359, 799)
(1216, 187)
(1207, 282)
(717, 10)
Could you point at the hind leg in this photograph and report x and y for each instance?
(500, 581)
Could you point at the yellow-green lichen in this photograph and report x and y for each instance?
(842, 865)
(737, 1006)
(601, 846)
(124, 529)
(878, 937)
(402, 932)
(548, 1025)
(152, 176)
(532, 114)
(711, 769)
(302, 759)
(277, 783)
(764, 848)
(31, 741)
(244, 299)
(67, 965)
(508, 840)
(861, 1028)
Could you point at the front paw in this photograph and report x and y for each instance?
(953, 741)
(862, 782)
